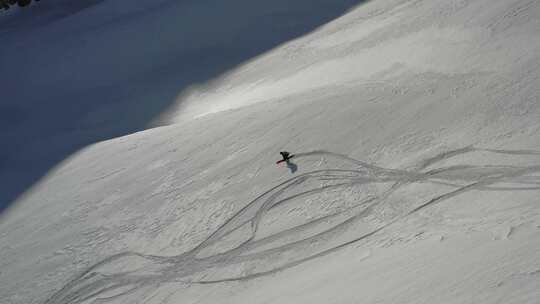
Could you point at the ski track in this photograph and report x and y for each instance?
(95, 285)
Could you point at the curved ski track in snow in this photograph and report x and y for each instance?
(248, 254)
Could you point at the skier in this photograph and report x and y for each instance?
(287, 159)
(286, 156)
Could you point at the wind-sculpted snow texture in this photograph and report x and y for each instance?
(249, 245)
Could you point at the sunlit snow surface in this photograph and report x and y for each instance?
(416, 177)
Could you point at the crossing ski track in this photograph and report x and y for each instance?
(253, 255)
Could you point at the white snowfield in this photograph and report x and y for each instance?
(415, 126)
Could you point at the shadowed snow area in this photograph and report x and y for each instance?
(415, 129)
(78, 72)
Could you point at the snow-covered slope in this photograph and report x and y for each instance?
(76, 73)
(416, 177)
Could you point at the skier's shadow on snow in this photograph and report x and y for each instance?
(291, 166)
